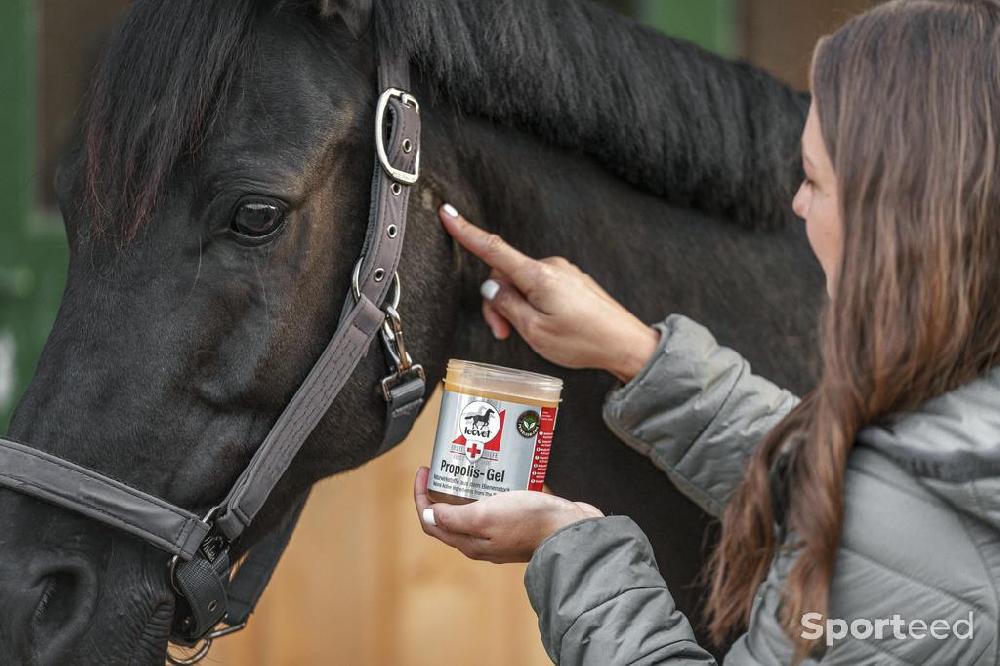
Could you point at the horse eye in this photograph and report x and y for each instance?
(257, 219)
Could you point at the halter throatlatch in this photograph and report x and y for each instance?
(212, 601)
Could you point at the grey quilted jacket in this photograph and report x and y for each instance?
(920, 540)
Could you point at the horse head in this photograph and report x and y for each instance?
(214, 211)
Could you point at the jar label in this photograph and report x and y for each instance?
(486, 446)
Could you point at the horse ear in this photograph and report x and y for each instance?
(355, 14)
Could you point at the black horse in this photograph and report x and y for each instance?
(480, 419)
(217, 203)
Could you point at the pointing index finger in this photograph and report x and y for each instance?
(491, 248)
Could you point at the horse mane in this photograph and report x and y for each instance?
(666, 116)
(662, 114)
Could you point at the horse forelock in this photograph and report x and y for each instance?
(161, 81)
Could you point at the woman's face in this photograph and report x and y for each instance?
(816, 201)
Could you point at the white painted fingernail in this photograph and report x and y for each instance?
(428, 517)
(489, 289)
(449, 210)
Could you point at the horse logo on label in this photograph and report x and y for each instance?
(479, 423)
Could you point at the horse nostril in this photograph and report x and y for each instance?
(63, 611)
(56, 604)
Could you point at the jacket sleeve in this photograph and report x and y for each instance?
(601, 600)
(697, 411)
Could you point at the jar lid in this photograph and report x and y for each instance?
(495, 378)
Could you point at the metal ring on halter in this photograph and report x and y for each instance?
(202, 652)
(356, 284)
(206, 645)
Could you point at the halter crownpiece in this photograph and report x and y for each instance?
(212, 601)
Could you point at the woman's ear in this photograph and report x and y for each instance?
(355, 14)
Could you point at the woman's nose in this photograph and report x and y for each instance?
(800, 203)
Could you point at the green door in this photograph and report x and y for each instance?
(33, 253)
(708, 23)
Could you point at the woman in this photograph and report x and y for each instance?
(862, 523)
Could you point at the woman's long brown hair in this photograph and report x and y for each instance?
(908, 97)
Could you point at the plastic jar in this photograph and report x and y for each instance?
(494, 432)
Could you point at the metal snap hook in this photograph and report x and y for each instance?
(398, 175)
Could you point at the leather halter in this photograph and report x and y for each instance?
(211, 601)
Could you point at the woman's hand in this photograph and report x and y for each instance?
(504, 528)
(558, 309)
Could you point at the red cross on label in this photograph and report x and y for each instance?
(473, 450)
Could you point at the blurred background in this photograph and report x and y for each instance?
(360, 583)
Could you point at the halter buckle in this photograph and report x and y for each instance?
(398, 175)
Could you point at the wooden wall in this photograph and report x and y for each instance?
(779, 35)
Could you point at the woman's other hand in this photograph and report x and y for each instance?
(559, 310)
(507, 527)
